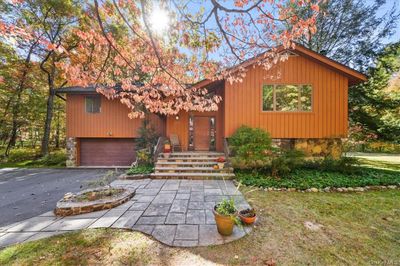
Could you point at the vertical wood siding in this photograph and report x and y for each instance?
(328, 118)
(181, 127)
(111, 122)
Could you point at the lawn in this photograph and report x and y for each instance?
(357, 229)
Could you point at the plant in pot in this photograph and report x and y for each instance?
(225, 214)
(167, 149)
(221, 162)
(248, 216)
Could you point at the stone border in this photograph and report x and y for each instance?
(134, 177)
(334, 189)
(66, 207)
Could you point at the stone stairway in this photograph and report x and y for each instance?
(191, 165)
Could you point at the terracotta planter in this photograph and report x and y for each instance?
(224, 223)
(247, 220)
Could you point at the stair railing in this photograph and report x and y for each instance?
(227, 151)
(158, 148)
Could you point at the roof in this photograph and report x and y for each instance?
(355, 77)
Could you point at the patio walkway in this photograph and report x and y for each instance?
(175, 212)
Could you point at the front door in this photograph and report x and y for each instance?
(201, 133)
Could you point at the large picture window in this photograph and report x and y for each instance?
(287, 98)
(93, 104)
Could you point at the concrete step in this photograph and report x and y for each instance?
(194, 154)
(193, 175)
(173, 163)
(192, 169)
(174, 159)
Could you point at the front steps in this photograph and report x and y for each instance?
(191, 165)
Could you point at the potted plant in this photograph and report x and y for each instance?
(221, 162)
(225, 214)
(248, 216)
(167, 149)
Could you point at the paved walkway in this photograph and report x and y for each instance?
(175, 212)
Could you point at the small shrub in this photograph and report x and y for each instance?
(141, 169)
(105, 180)
(147, 135)
(143, 157)
(251, 148)
(328, 164)
(57, 158)
(286, 162)
(22, 154)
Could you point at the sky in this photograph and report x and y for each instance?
(388, 6)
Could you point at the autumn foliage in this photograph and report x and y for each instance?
(118, 51)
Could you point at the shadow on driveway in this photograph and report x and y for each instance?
(25, 193)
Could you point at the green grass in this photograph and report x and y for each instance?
(30, 158)
(379, 164)
(357, 229)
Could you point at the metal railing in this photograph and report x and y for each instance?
(158, 148)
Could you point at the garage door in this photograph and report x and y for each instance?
(107, 152)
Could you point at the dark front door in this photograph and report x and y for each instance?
(201, 133)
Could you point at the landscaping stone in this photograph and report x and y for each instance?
(108, 219)
(13, 238)
(208, 235)
(128, 219)
(196, 205)
(151, 220)
(147, 229)
(139, 206)
(179, 206)
(187, 232)
(33, 224)
(164, 233)
(177, 219)
(167, 198)
(70, 224)
(195, 217)
(157, 210)
(185, 243)
(68, 206)
(180, 196)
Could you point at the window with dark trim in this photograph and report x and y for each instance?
(287, 98)
(93, 104)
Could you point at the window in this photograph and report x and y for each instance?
(287, 98)
(93, 104)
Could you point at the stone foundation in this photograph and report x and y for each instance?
(71, 152)
(320, 147)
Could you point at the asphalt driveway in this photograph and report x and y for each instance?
(25, 193)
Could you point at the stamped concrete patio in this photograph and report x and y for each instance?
(175, 212)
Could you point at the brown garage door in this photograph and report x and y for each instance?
(107, 152)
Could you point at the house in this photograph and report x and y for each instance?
(302, 101)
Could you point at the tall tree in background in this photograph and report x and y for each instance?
(376, 104)
(47, 25)
(351, 32)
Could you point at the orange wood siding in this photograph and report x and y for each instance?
(181, 127)
(111, 122)
(328, 118)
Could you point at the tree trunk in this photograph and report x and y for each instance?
(15, 111)
(57, 137)
(17, 103)
(47, 123)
